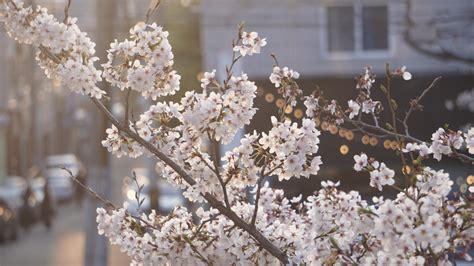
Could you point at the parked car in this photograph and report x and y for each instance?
(12, 191)
(168, 196)
(8, 222)
(60, 181)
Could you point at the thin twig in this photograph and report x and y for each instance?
(127, 106)
(257, 197)
(215, 158)
(392, 106)
(414, 104)
(108, 204)
(462, 157)
(153, 6)
(198, 230)
(257, 200)
(66, 11)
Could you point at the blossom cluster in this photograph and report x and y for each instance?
(402, 72)
(293, 147)
(66, 53)
(419, 226)
(469, 136)
(444, 142)
(120, 145)
(380, 174)
(330, 226)
(220, 114)
(251, 43)
(284, 79)
(317, 106)
(143, 63)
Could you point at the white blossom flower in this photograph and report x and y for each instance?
(152, 75)
(402, 72)
(284, 80)
(209, 77)
(312, 105)
(360, 162)
(469, 136)
(444, 142)
(368, 106)
(331, 108)
(416, 261)
(366, 80)
(251, 44)
(354, 108)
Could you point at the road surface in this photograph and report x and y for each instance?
(63, 245)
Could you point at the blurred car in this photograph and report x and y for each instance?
(8, 222)
(168, 196)
(59, 180)
(37, 186)
(13, 189)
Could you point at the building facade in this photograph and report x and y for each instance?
(337, 37)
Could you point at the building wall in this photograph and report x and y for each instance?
(296, 33)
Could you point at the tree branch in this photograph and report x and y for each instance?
(462, 157)
(215, 203)
(414, 104)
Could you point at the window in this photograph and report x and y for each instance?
(357, 28)
(374, 28)
(341, 29)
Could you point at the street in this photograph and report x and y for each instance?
(63, 245)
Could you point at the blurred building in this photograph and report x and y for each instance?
(338, 37)
(329, 42)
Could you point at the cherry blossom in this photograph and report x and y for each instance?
(402, 71)
(366, 80)
(360, 162)
(143, 63)
(284, 79)
(354, 108)
(419, 225)
(251, 44)
(66, 53)
(208, 78)
(469, 136)
(444, 142)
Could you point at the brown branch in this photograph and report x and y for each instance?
(414, 104)
(462, 157)
(215, 203)
(392, 107)
(127, 106)
(152, 7)
(108, 204)
(66, 11)
(257, 200)
(218, 174)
